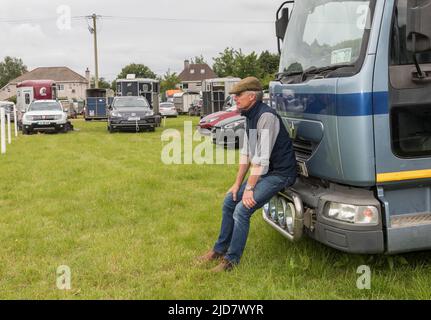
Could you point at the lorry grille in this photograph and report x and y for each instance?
(303, 149)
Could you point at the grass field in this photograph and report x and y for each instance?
(129, 227)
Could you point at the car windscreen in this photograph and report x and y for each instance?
(130, 103)
(45, 106)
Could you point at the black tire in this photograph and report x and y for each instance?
(25, 131)
(110, 129)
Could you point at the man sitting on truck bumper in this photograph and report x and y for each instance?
(268, 151)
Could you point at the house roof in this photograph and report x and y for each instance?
(194, 73)
(58, 74)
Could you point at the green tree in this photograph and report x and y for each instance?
(114, 86)
(224, 64)
(235, 63)
(140, 70)
(103, 84)
(269, 62)
(168, 81)
(247, 65)
(10, 69)
(12, 99)
(198, 60)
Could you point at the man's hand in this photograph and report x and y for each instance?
(248, 200)
(234, 190)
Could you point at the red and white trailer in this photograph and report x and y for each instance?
(28, 91)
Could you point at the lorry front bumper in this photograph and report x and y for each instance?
(360, 242)
(341, 235)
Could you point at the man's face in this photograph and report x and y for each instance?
(244, 100)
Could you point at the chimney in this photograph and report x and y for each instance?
(186, 64)
(87, 76)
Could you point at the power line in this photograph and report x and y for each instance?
(136, 18)
(193, 20)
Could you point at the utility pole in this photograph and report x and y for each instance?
(93, 30)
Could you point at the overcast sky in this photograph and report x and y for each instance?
(29, 30)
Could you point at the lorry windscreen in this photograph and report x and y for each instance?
(325, 33)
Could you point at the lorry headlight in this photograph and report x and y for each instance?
(57, 117)
(272, 209)
(116, 115)
(352, 214)
(28, 117)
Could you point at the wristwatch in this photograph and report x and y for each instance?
(249, 188)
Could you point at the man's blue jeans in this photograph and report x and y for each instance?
(236, 217)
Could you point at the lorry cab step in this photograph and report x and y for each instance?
(401, 221)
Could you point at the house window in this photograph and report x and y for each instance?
(202, 71)
(192, 71)
(185, 85)
(60, 87)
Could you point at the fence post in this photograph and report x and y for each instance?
(2, 131)
(15, 121)
(9, 132)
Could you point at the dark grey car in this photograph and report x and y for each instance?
(131, 114)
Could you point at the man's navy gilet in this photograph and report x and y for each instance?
(282, 161)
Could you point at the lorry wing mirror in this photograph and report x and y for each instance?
(281, 23)
(419, 32)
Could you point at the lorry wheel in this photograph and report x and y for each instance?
(110, 129)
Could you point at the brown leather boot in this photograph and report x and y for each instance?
(209, 256)
(225, 265)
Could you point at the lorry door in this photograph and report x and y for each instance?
(402, 125)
